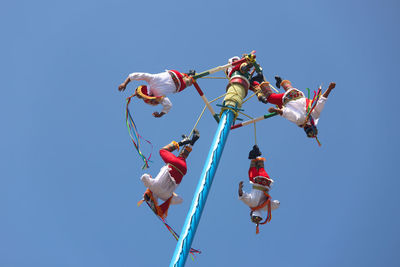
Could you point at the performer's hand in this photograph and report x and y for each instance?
(240, 189)
(121, 87)
(328, 91)
(277, 110)
(158, 114)
(188, 81)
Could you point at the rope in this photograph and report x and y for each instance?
(248, 116)
(234, 111)
(217, 98)
(244, 101)
(201, 114)
(276, 90)
(233, 95)
(255, 134)
(255, 128)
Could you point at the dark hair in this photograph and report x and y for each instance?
(311, 130)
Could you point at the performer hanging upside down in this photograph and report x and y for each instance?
(160, 85)
(258, 199)
(170, 175)
(294, 106)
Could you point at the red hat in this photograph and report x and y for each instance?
(178, 80)
(141, 92)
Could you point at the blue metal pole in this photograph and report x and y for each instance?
(200, 196)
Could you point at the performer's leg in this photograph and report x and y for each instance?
(253, 171)
(176, 162)
(185, 152)
(253, 154)
(276, 99)
(265, 92)
(170, 147)
(260, 167)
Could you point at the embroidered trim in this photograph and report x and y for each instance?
(175, 79)
(293, 94)
(262, 181)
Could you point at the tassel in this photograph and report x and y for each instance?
(164, 208)
(319, 144)
(134, 134)
(140, 202)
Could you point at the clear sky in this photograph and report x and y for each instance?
(69, 179)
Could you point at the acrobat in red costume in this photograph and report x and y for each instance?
(170, 176)
(160, 85)
(293, 105)
(258, 199)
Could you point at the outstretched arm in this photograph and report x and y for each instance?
(277, 110)
(240, 191)
(247, 198)
(123, 85)
(167, 105)
(328, 91)
(137, 76)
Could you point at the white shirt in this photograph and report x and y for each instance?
(295, 110)
(257, 197)
(162, 186)
(160, 84)
(167, 105)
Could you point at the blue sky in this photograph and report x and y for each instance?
(70, 177)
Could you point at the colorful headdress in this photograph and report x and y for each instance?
(142, 92)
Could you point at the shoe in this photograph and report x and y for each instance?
(255, 152)
(278, 81)
(257, 78)
(191, 73)
(184, 141)
(195, 137)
